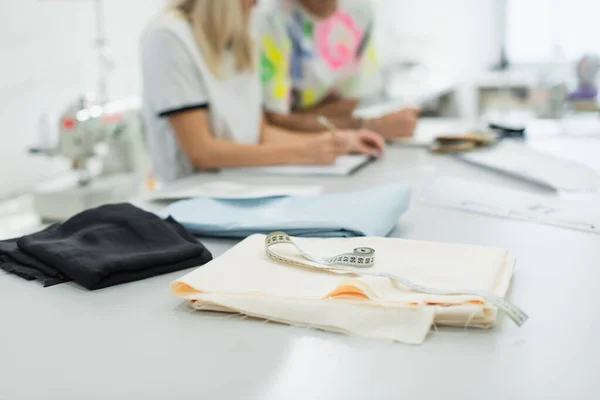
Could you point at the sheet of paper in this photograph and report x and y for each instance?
(582, 150)
(518, 160)
(234, 190)
(566, 212)
(344, 165)
(380, 109)
(429, 129)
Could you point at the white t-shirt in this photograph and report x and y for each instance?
(176, 79)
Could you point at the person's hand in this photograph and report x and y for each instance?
(367, 142)
(400, 124)
(325, 148)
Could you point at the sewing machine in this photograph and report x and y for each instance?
(103, 140)
(104, 143)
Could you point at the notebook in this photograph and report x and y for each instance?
(344, 165)
(232, 190)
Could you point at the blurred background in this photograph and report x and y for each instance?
(456, 58)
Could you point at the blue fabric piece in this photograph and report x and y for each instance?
(372, 212)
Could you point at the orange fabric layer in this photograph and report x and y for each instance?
(183, 289)
(348, 291)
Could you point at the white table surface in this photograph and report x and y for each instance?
(137, 341)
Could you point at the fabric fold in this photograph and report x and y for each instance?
(406, 324)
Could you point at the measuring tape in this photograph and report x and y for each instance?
(363, 258)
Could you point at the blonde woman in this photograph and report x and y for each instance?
(203, 103)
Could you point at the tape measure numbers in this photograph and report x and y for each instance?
(362, 257)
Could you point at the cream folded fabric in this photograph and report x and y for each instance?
(244, 280)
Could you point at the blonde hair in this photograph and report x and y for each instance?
(219, 25)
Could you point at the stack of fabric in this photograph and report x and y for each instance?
(102, 247)
(373, 212)
(245, 280)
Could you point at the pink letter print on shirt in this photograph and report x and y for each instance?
(338, 39)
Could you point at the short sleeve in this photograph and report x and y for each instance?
(172, 81)
(275, 53)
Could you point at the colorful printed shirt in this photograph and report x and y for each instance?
(304, 59)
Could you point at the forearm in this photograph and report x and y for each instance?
(308, 121)
(272, 134)
(224, 154)
(335, 108)
(206, 152)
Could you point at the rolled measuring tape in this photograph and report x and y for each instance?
(361, 259)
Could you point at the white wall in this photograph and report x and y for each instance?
(552, 31)
(455, 39)
(450, 36)
(46, 60)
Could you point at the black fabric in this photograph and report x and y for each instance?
(180, 110)
(13, 260)
(103, 247)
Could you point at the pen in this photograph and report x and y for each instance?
(351, 135)
(323, 120)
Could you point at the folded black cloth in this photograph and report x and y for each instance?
(103, 247)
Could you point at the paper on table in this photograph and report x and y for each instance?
(344, 165)
(380, 109)
(582, 150)
(520, 161)
(490, 200)
(428, 130)
(234, 190)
